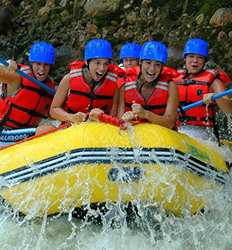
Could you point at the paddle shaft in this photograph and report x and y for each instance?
(18, 131)
(14, 135)
(214, 97)
(30, 78)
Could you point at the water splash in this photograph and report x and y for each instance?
(122, 226)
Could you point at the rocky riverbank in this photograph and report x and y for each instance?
(68, 24)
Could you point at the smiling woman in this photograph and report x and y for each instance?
(90, 88)
(31, 102)
(149, 92)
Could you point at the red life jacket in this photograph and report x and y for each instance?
(83, 97)
(157, 102)
(29, 105)
(192, 90)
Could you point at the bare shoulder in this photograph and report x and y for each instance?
(217, 86)
(66, 77)
(65, 80)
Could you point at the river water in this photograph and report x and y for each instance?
(154, 230)
(212, 230)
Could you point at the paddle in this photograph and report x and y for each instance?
(30, 78)
(14, 135)
(18, 131)
(214, 97)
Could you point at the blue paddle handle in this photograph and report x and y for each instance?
(30, 78)
(221, 94)
(14, 135)
(18, 131)
(214, 97)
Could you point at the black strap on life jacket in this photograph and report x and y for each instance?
(40, 92)
(193, 82)
(148, 107)
(19, 124)
(91, 96)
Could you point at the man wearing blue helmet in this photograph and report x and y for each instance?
(149, 94)
(194, 84)
(129, 55)
(91, 86)
(31, 103)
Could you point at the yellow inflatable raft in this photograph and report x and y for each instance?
(96, 162)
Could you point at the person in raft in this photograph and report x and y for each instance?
(149, 92)
(197, 83)
(31, 103)
(90, 88)
(129, 55)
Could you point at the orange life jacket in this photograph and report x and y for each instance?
(192, 90)
(157, 102)
(29, 105)
(83, 97)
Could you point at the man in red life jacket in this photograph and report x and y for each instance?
(90, 87)
(196, 83)
(149, 93)
(30, 103)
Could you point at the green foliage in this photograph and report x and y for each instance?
(210, 6)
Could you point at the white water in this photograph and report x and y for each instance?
(212, 230)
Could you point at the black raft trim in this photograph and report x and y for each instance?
(96, 156)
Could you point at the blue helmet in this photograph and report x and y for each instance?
(42, 52)
(98, 48)
(153, 50)
(196, 46)
(130, 50)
